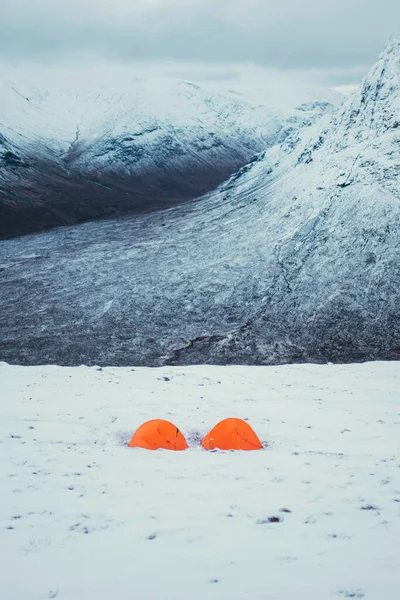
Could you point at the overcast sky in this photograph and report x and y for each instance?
(335, 39)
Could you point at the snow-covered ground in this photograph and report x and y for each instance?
(84, 517)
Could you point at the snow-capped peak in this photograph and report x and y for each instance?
(379, 95)
(376, 105)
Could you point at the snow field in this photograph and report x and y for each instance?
(84, 517)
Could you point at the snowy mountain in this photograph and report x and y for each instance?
(73, 154)
(294, 258)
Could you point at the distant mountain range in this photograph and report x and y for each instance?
(72, 155)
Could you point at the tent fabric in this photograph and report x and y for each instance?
(156, 434)
(232, 434)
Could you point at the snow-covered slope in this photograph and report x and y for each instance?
(61, 117)
(295, 258)
(84, 517)
(88, 151)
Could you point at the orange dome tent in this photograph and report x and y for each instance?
(232, 434)
(156, 434)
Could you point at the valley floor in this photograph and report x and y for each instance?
(84, 517)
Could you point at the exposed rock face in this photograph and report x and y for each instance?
(295, 258)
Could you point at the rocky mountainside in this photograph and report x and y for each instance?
(70, 155)
(294, 258)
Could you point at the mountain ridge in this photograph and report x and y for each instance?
(78, 155)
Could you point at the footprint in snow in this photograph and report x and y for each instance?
(35, 545)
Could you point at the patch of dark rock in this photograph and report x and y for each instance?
(269, 520)
(371, 259)
(344, 184)
(12, 160)
(152, 536)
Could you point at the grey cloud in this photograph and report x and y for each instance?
(290, 34)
